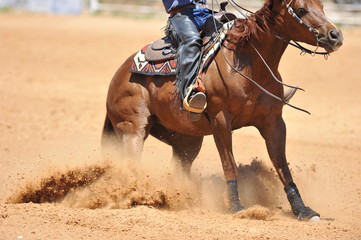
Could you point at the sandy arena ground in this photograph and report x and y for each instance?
(54, 77)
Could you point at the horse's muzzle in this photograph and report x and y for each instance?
(332, 41)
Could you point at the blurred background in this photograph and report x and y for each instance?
(343, 12)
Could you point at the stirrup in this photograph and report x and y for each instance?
(197, 103)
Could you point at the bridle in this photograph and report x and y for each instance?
(311, 29)
(294, 15)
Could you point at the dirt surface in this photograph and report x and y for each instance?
(53, 81)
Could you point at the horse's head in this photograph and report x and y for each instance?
(305, 21)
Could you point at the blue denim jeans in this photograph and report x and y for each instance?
(198, 16)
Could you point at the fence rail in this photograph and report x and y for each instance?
(346, 12)
(136, 8)
(72, 7)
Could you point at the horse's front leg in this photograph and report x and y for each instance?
(274, 133)
(222, 133)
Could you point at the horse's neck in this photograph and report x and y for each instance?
(267, 50)
(256, 66)
(260, 55)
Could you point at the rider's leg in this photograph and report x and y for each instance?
(188, 54)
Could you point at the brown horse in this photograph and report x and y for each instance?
(139, 105)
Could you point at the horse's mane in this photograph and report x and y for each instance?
(245, 29)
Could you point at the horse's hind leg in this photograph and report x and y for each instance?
(185, 147)
(133, 137)
(129, 133)
(275, 137)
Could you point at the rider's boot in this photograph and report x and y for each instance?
(188, 56)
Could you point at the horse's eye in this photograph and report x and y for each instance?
(301, 12)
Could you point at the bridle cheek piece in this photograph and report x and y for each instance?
(311, 29)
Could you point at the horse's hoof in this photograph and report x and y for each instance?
(306, 214)
(315, 219)
(236, 209)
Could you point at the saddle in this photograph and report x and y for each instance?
(160, 50)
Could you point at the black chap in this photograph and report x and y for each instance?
(188, 53)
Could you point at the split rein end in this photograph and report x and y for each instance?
(295, 107)
(305, 51)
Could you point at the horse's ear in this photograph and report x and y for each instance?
(272, 2)
(275, 2)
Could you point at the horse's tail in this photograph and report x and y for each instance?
(108, 134)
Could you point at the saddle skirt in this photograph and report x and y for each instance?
(158, 58)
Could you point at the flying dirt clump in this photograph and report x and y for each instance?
(58, 185)
(255, 213)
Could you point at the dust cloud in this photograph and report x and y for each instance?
(161, 184)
